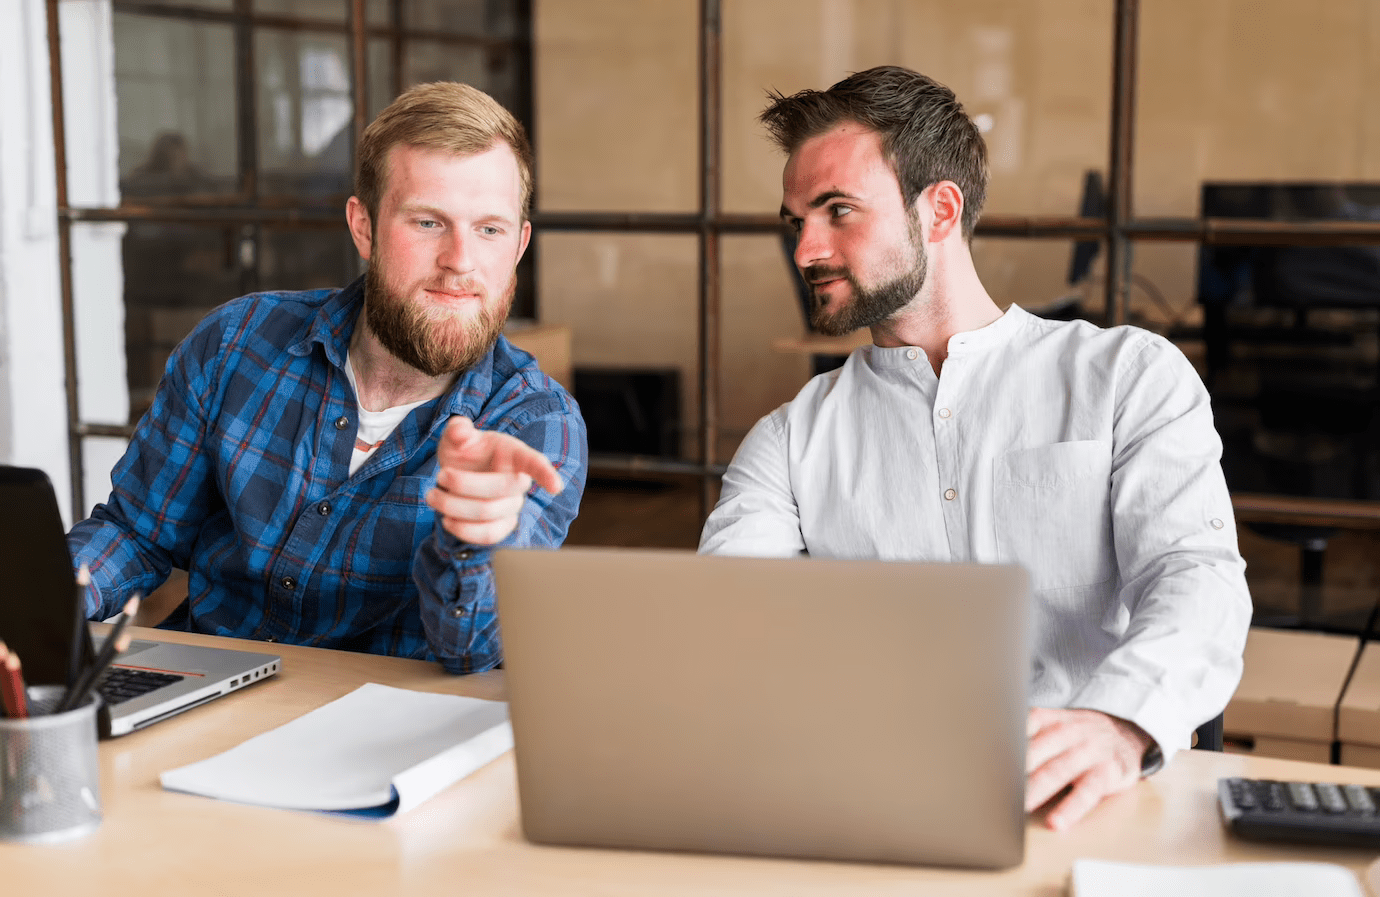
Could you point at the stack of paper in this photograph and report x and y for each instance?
(376, 752)
(1096, 878)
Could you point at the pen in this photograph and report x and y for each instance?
(12, 691)
(115, 643)
(78, 647)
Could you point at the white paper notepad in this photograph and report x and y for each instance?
(376, 752)
(1096, 878)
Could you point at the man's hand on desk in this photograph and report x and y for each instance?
(1098, 755)
(483, 481)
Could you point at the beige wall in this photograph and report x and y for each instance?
(1232, 89)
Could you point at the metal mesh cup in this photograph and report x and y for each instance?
(49, 772)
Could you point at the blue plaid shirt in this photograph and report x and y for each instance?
(239, 474)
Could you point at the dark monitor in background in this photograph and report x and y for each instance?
(1298, 278)
(1092, 203)
(1291, 276)
(1294, 394)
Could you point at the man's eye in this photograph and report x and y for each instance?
(427, 224)
(795, 224)
(489, 230)
(840, 211)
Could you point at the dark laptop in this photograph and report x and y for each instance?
(152, 680)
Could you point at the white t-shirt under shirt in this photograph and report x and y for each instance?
(374, 426)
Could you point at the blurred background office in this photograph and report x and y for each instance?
(1220, 160)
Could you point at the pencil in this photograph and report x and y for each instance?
(12, 691)
(115, 643)
(78, 646)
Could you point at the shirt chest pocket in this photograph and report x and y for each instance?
(386, 533)
(1053, 513)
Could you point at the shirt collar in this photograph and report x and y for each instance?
(992, 336)
(333, 324)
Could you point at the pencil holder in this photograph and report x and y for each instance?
(49, 772)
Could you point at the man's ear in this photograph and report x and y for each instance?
(942, 204)
(361, 228)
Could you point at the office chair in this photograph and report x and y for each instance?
(1209, 735)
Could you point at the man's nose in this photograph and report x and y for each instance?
(456, 251)
(812, 246)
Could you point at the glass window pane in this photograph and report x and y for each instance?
(306, 259)
(765, 357)
(1035, 76)
(1260, 92)
(489, 18)
(492, 71)
(325, 10)
(175, 87)
(100, 454)
(616, 105)
(378, 12)
(174, 274)
(305, 113)
(630, 303)
(380, 76)
(1041, 276)
(99, 314)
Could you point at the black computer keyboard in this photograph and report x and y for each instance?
(1267, 810)
(119, 684)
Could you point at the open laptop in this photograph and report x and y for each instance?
(152, 680)
(828, 709)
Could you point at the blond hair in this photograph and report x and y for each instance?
(442, 115)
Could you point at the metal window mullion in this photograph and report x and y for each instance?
(1121, 152)
(75, 461)
(710, 269)
(359, 72)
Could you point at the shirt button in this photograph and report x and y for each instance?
(950, 495)
(458, 612)
(1217, 523)
(912, 354)
(464, 554)
(288, 583)
(324, 508)
(342, 422)
(945, 413)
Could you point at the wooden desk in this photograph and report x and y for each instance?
(467, 840)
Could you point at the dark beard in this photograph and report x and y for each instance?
(868, 307)
(432, 347)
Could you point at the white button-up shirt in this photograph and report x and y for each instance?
(1086, 455)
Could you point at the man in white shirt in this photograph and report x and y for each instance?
(968, 434)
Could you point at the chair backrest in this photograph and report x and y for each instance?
(1209, 735)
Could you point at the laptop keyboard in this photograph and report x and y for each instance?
(119, 684)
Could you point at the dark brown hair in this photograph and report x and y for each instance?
(926, 135)
(442, 115)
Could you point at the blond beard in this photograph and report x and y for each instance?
(433, 341)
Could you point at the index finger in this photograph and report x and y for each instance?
(536, 465)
